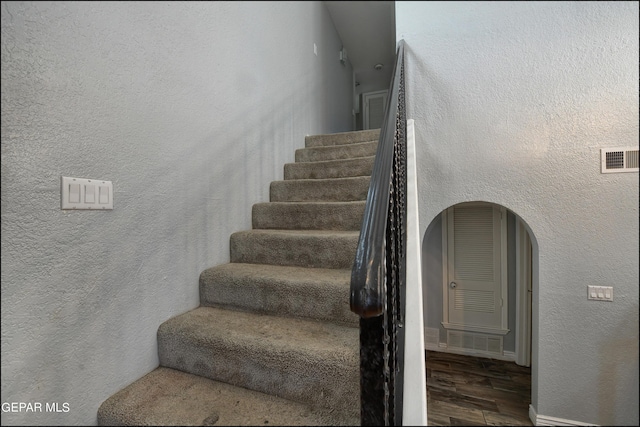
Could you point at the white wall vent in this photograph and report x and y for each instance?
(616, 160)
(475, 343)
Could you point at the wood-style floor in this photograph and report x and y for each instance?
(474, 391)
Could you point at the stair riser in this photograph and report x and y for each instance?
(320, 190)
(329, 169)
(307, 251)
(341, 138)
(349, 151)
(277, 295)
(281, 371)
(204, 402)
(308, 216)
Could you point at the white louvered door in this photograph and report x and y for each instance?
(475, 288)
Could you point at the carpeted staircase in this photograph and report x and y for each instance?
(273, 341)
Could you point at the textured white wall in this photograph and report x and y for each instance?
(190, 109)
(512, 102)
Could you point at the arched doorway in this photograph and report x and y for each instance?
(493, 320)
(518, 344)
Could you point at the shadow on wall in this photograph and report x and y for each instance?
(614, 371)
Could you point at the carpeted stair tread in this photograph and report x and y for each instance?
(319, 293)
(341, 168)
(304, 360)
(302, 248)
(342, 138)
(170, 397)
(335, 152)
(328, 190)
(308, 215)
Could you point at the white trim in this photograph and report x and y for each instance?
(445, 266)
(507, 356)
(504, 279)
(523, 295)
(414, 409)
(480, 329)
(435, 347)
(545, 420)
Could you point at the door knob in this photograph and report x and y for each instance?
(452, 285)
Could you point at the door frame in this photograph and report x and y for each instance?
(524, 294)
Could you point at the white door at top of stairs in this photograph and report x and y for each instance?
(374, 104)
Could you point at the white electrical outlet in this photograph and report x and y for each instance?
(86, 194)
(600, 293)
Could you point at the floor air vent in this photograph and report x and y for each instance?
(615, 160)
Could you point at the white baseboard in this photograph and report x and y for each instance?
(508, 356)
(434, 347)
(544, 420)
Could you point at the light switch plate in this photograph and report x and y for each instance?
(85, 194)
(600, 293)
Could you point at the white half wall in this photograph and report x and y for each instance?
(414, 394)
(190, 109)
(512, 102)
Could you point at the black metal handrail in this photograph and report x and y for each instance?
(378, 274)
